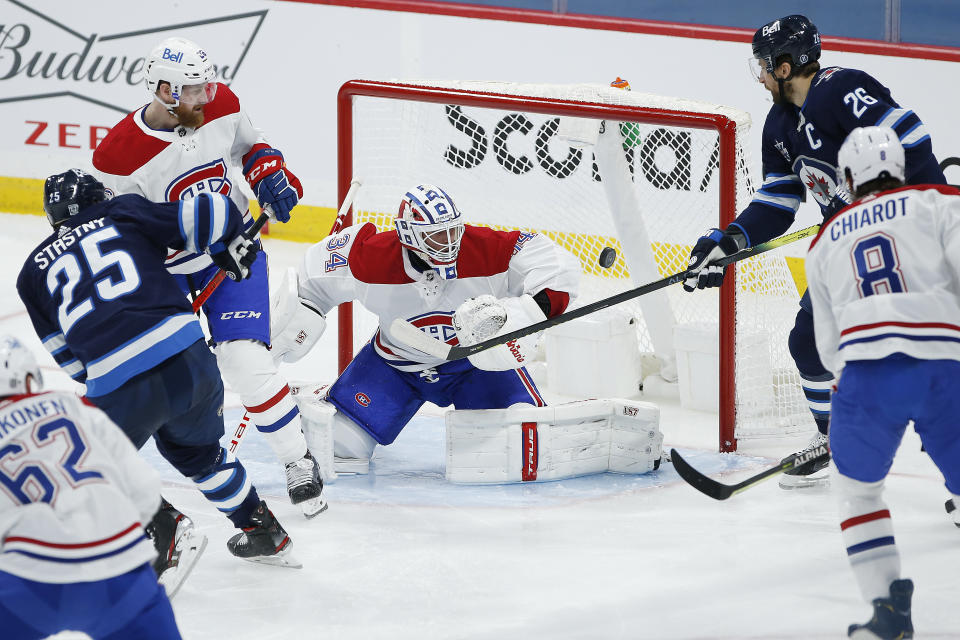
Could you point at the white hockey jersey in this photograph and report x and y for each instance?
(373, 268)
(884, 278)
(166, 165)
(74, 493)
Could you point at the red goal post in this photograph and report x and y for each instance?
(684, 168)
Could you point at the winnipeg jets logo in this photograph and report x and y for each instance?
(818, 185)
(819, 178)
(825, 75)
(207, 178)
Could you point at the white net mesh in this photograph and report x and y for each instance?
(506, 167)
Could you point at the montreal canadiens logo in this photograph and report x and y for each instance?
(818, 177)
(437, 325)
(362, 399)
(207, 178)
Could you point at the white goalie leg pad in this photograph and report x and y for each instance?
(536, 444)
(250, 371)
(295, 323)
(317, 416)
(344, 447)
(519, 312)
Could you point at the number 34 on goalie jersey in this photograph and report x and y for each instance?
(335, 246)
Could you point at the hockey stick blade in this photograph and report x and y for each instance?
(719, 491)
(413, 337)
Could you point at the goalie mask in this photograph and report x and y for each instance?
(186, 67)
(17, 367)
(67, 194)
(430, 224)
(870, 153)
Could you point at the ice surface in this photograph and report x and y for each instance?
(402, 554)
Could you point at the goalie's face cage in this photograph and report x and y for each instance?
(430, 223)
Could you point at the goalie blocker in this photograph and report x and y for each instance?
(537, 444)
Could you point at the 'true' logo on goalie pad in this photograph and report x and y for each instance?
(531, 454)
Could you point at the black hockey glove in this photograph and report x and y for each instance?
(716, 244)
(234, 258)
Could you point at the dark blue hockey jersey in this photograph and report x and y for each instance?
(98, 293)
(800, 147)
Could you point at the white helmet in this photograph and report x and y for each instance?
(869, 153)
(430, 224)
(181, 63)
(17, 365)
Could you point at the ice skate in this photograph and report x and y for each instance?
(891, 616)
(304, 486)
(809, 475)
(179, 545)
(265, 541)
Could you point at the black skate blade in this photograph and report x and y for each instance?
(313, 507)
(193, 545)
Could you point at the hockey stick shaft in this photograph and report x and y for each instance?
(208, 290)
(719, 491)
(410, 335)
(345, 206)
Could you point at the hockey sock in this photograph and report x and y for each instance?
(250, 371)
(817, 390)
(868, 536)
(228, 487)
(276, 415)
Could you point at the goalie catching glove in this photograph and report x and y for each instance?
(484, 317)
(274, 185)
(716, 244)
(234, 258)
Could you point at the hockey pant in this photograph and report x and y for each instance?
(131, 605)
(180, 404)
(817, 381)
(874, 402)
(238, 316)
(382, 399)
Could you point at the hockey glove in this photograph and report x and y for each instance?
(272, 182)
(702, 273)
(234, 258)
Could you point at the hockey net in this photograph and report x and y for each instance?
(683, 168)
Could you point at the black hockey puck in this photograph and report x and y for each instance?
(607, 257)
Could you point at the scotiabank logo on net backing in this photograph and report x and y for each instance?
(45, 56)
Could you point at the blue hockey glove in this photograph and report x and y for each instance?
(272, 182)
(716, 244)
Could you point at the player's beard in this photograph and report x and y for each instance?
(778, 98)
(189, 115)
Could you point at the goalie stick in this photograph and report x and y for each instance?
(414, 337)
(719, 491)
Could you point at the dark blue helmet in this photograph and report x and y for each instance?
(793, 36)
(67, 194)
